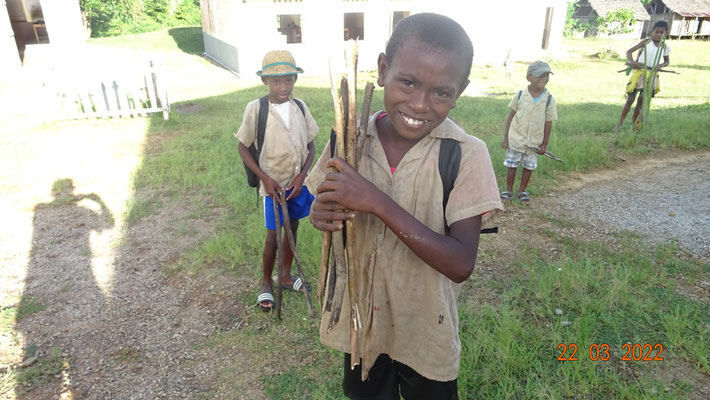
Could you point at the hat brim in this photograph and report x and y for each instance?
(297, 71)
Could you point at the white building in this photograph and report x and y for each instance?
(237, 33)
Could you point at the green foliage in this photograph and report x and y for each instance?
(117, 17)
(616, 22)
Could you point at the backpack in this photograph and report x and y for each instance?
(549, 99)
(449, 162)
(255, 148)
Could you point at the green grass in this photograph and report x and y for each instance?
(510, 347)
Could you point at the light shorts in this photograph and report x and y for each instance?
(297, 208)
(513, 158)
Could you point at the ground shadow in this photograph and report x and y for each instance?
(188, 39)
(59, 279)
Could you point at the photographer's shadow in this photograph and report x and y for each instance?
(61, 294)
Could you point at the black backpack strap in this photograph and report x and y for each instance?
(261, 125)
(300, 105)
(449, 161)
(549, 99)
(520, 93)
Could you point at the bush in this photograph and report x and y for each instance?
(117, 17)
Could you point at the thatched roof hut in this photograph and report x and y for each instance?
(686, 18)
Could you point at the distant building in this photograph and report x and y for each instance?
(33, 22)
(686, 18)
(238, 33)
(589, 10)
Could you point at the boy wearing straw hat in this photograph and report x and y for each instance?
(284, 160)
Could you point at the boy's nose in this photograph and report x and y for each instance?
(419, 101)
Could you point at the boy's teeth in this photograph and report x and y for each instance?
(412, 121)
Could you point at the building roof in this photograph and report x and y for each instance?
(689, 8)
(603, 7)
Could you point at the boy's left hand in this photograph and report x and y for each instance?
(296, 185)
(348, 188)
(543, 149)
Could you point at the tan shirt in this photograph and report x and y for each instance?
(285, 147)
(411, 312)
(528, 125)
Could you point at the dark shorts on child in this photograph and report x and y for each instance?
(388, 377)
(298, 208)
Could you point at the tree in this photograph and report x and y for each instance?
(616, 22)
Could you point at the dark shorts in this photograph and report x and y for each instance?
(388, 377)
(298, 208)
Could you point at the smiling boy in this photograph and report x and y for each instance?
(413, 250)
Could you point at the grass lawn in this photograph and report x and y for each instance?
(510, 331)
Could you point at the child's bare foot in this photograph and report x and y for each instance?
(617, 128)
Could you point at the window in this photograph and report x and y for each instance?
(354, 26)
(290, 26)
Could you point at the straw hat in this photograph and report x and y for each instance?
(278, 63)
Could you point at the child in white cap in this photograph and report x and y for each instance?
(283, 162)
(527, 130)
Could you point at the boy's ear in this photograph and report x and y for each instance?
(264, 80)
(381, 69)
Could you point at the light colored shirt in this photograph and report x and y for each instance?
(409, 309)
(528, 125)
(285, 147)
(648, 54)
(283, 109)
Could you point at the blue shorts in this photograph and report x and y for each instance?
(297, 208)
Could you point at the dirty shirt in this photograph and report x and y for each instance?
(408, 309)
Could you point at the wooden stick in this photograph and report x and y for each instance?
(338, 244)
(364, 121)
(292, 242)
(279, 289)
(324, 260)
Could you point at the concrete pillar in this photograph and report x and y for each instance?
(63, 20)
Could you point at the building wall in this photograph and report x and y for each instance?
(8, 49)
(250, 29)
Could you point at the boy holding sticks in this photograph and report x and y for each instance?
(411, 251)
(647, 62)
(282, 166)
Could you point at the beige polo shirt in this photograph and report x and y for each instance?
(528, 125)
(285, 145)
(410, 311)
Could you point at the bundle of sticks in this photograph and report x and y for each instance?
(338, 266)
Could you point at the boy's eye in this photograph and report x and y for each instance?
(441, 93)
(407, 82)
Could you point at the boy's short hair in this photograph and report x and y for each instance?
(660, 24)
(435, 30)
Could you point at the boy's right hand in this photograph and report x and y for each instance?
(271, 187)
(505, 143)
